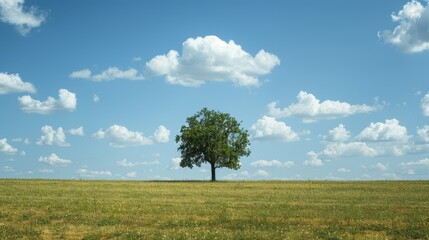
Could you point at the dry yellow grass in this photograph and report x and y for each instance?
(50, 209)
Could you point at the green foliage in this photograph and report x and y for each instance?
(212, 137)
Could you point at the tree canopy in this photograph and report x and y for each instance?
(212, 137)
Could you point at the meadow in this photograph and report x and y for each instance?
(77, 209)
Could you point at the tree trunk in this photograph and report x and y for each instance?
(213, 172)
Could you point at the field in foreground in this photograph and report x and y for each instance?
(48, 209)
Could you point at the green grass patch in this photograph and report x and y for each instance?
(53, 209)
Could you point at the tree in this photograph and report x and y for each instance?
(212, 137)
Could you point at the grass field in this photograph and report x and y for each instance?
(49, 209)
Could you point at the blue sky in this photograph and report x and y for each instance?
(328, 90)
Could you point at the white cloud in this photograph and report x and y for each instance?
(233, 176)
(131, 174)
(380, 166)
(99, 134)
(244, 174)
(66, 102)
(387, 138)
(425, 105)
(6, 148)
(310, 109)
(162, 134)
(77, 131)
(120, 136)
(13, 83)
(84, 73)
(392, 176)
(390, 130)
(423, 133)
(137, 59)
(344, 170)
(53, 159)
(45, 170)
(52, 137)
(314, 160)
(261, 173)
(83, 172)
(111, 73)
(419, 163)
(212, 59)
(175, 163)
(230, 176)
(412, 33)
(13, 12)
(270, 128)
(148, 163)
(339, 134)
(96, 98)
(352, 149)
(272, 163)
(8, 169)
(125, 163)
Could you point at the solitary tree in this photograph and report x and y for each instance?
(212, 137)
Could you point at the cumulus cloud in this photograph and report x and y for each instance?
(425, 105)
(52, 137)
(175, 163)
(99, 134)
(111, 73)
(313, 160)
(84, 172)
(412, 33)
(272, 163)
(380, 167)
(422, 163)
(212, 59)
(120, 136)
(387, 138)
(6, 148)
(13, 83)
(148, 163)
(343, 170)
(236, 176)
(65, 102)
(25, 141)
(270, 128)
(310, 109)
(131, 174)
(423, 133)
(95, 98)
(390, 130)
(53, 159)
(44, 170)
(261, 173)
(77, 131)
(162, 134)
(24, 18)
(8, 169)
(351, 149)
(125, 163)
(339, 134)
(84, 73)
